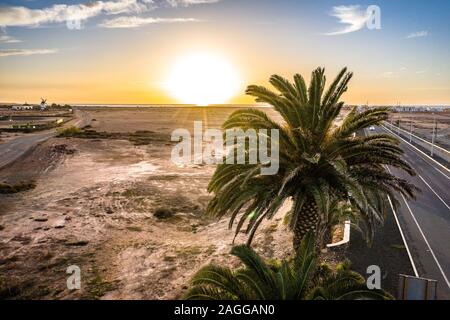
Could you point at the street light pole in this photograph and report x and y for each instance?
(433, 137)
(410, 130)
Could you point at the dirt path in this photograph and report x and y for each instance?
(17, 147)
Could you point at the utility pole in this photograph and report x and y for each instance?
(433, 136)
(410, 124)
(410, 130)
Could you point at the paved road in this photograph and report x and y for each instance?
(13, 149)
(425, 222)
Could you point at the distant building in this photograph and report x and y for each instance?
(22, 107)
(418, 109)
(408, 109)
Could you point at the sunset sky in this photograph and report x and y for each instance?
(126, 51)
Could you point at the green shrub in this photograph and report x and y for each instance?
(6, 188)
(69, 132)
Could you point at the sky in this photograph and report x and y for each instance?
(124, 51)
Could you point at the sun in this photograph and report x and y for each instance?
(202, 79)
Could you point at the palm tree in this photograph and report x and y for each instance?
(318, 159)
(299, 279)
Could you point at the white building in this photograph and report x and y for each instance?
(22, 107)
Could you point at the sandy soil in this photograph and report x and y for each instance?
(93, 207)
(423, 124)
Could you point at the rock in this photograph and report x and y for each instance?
(40, 219)
(21, 239)
(59, 224)
(62, 149)
(163, 213)
(77, 243)
(109, 211)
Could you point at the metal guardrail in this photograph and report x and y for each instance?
(431, 148)
(411, 135)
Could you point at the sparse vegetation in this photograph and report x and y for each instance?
(163, 213)
(32, 127)
(6, 188)
(69, 132)
(134, 228)
(141, 137)
(98, 286)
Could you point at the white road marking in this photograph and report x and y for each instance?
(416, 273)
(422, 154)
(448, 207)
(417, 223)
(426, 241)
(424, 238)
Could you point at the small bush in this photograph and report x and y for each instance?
(69, 132)
(163, 213)
(6, 188)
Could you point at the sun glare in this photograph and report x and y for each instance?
(202, 79)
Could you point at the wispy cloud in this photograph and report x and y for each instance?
(417, 34)
(22, 16)
(25, 52)
(389, 75)
(393, 74)
(185, 3)
(421, 71)
(4, 38)
(134, 21)
(353, 17)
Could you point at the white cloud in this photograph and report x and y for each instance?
(4, 38)
(389, 75)
(421, 71)
(417, 34)
(22, 16)
(185, 3)
(134, 21)
(25, 52)
(353, 17)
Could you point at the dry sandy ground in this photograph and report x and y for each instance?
(93, 207)
(424, 123)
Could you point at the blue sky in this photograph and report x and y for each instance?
(406, 60)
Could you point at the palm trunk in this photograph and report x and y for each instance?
(307, 219)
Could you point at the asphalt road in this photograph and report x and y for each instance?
(15, 148)
(425, 221)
